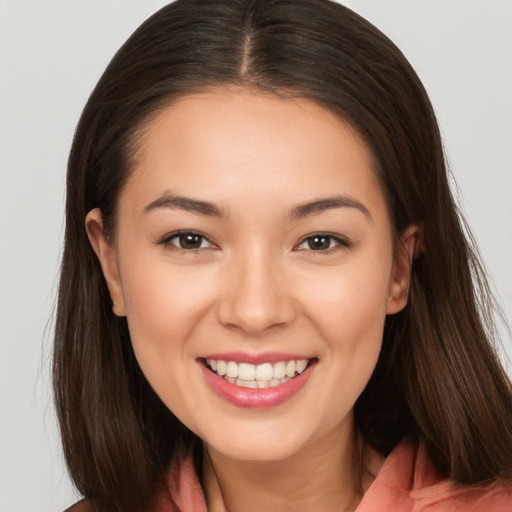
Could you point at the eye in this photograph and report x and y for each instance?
(186, 240)
(322, 242)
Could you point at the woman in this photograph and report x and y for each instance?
(273, 304)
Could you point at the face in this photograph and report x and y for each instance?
(255, 263)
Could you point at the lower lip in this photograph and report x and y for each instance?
(251, 398)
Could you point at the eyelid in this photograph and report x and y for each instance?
(341, 241)
(166, 239)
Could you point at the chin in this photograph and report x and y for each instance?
(262, 451)
(265, 441)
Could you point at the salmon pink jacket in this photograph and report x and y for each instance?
(407, 482)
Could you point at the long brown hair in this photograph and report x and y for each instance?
(438, 378)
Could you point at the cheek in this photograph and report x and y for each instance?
(350, 311)
(162, 309)
(350, 307)
(352, 324)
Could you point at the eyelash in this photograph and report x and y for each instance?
(167, 240)
(339, 242)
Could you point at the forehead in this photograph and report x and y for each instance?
(226, 142)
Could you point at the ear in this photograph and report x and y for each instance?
(406, 251)
(106, 253)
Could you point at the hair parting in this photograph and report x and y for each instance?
(438, 379)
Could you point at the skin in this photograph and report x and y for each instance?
(255, 285)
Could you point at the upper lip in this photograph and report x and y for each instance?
(252, 358)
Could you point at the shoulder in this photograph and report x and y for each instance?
(482, 499)
(408, 481)
(449, 497)
(81, 506)
(431, 491)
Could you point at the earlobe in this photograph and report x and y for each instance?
(406, 252)
(106, 254)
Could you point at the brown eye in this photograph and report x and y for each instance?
(186, 240)
(319, 243)
(190, 241)
(323, 242)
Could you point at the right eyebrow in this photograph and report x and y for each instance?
(184, 203)
(327, 203)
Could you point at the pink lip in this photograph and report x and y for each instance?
(264, 357)
(256, 398)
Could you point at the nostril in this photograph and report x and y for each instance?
(253, 316)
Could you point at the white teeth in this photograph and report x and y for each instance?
(290, 369)
(264, 371)
(246, 383)
(300, 366)
(261, 376)
(246, 371)
(279, 370)
(221, 367)
(232, 370)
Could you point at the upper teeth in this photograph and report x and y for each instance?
(261, 372)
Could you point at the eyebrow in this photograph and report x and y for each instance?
(320, 205)
(298, 212)
(185, 203)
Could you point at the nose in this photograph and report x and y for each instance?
(256, 295)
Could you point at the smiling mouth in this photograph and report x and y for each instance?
(259, 376)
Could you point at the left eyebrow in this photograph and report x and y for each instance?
(184, 203)
(328, 203)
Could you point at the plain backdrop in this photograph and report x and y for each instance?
(52, 53)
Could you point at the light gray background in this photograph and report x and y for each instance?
(51, 55)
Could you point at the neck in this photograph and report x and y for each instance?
(319, 477)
